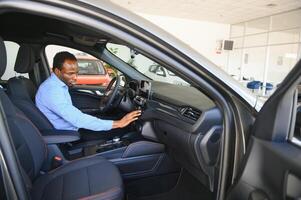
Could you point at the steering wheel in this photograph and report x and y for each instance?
(110, 94)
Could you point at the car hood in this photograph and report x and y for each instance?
(220, 74)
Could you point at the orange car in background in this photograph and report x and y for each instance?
(91, 71)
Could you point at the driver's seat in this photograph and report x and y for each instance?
(22, 90)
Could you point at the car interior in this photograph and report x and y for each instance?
(171, 152)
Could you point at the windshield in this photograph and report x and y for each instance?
(145, 65)
(258, 53)
(258, 56)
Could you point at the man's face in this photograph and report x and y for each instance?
(68, 73)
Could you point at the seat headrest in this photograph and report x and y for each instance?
(25, 59)
(3, 58)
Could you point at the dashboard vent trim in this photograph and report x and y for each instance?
(190, 113)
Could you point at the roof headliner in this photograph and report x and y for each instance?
(28, 28)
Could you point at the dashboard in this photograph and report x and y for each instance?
(184, 119)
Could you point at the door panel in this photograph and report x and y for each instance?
(267, 169)
(272, 163)
(87, 98)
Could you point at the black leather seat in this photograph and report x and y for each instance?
(22, 91)
(88, 178)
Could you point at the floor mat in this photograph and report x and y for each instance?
(187, 188)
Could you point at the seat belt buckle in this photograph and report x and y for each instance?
(57, 161)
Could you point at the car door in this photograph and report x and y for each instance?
(272, 164)
(87, 98)
(91, 82)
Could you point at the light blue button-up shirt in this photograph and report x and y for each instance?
(54, 101)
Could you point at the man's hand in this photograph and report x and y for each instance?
(127, 119)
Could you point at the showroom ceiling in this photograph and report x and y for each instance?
(223, 11)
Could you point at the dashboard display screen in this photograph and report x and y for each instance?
(145, 88)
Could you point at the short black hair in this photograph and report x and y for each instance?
(60, 58)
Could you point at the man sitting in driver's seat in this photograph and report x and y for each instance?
(54, 101)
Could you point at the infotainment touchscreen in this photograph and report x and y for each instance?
(145, 89)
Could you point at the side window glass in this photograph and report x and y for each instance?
(12, 49)
(91, 70)
(90, 66)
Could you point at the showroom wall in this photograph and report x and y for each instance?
(265, 49)
(200, 35)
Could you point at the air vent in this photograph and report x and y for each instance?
(191, 113)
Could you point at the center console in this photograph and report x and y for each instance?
(109, 145)
(141, 159)
(136, 157)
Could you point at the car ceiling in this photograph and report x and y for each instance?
(27, 28)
